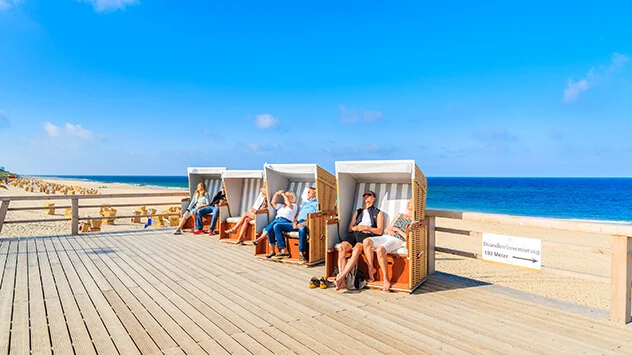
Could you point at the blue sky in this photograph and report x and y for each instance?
(464, 88)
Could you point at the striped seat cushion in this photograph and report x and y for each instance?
(213, 186)
(249, 193)
(391, 198)
(300, 190)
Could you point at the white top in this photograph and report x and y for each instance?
(286, 212)
(258, 201)
(366, 218)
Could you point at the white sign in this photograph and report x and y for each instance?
(524, 252)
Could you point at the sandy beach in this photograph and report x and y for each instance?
(589, 293)
(63, 227)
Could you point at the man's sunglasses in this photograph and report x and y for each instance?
(365, 195)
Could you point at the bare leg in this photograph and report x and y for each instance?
(381, 259)
(355, 255)
(345, 247)
(368, 251)
(183, 220)
(244, 228)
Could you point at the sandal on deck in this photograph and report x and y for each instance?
(281, 256)
(270, 255)
(323, 282)
(313, 283)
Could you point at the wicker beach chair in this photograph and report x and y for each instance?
(298, 178)
(212, 179)
(242, 190)
(394, 183)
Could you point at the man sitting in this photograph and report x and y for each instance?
(212, 208)
(366, 222)
(300, 224)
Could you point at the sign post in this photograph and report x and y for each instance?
(516, 251)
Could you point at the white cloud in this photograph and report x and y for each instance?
(51, 129)
(109, 5)
(69, 130)
(266, 121)
(77, 131)
(574, 88)
(7, 4)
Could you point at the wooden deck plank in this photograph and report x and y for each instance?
(522, 333)
(216, 298)
(6, 295)
(280, 307)
(259, 337)
(60, 339)
(113, 325)
(20, 333)
(196, 309)
(81, 341)
(99, 334)
(498, 305)
(153, 327)
(173, 321)
(40, 337)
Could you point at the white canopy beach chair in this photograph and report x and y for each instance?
(212, 179)
(242, 192)
(394, 183)
(298, 178)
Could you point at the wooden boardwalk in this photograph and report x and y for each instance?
(152, 292)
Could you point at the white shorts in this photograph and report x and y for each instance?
(389, 242)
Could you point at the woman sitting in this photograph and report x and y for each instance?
(285, 213)
(260, 203)
(200, 199)
(392, 240)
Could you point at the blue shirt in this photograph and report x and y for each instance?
(309, 206)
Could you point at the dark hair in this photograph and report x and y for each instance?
(312, 188)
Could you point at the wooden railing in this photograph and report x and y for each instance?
(74, 205)
(620, 240)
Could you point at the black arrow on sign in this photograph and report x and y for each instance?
(531, 260)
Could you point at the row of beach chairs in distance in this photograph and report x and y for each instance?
(49, 188)
(339, 195)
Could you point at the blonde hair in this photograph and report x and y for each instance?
(292, 195)
(197, 191)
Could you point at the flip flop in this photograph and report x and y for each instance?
(323, 282)
(313, 283)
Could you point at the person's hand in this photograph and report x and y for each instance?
(252, 210)
(295, 225)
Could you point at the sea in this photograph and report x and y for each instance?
(594, 199)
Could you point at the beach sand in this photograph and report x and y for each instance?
(63, 227)
(584, 292)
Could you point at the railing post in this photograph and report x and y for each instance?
(75, 215)
(3, 211)
(432, 222)
(621, 279)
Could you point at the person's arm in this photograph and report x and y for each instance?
(287, 202)
(352, 222)
(380, 225)
(391, 230)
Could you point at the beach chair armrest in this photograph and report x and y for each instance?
(186, 199)
(223, 203)
(262, 211)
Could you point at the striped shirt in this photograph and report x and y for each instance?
(401, 223)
